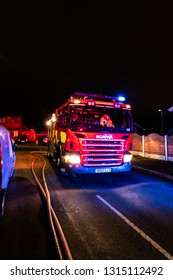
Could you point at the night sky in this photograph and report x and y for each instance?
(50, 49)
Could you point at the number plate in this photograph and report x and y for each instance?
(103, 170)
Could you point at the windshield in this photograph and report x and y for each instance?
(104, 119)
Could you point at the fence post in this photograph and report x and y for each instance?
(166, 147)
(143, 145)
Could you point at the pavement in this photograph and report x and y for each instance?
(161, 168)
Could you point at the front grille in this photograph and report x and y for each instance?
(101, 152)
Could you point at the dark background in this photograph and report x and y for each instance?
(50, 49)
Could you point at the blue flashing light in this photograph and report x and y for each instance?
(121, 98)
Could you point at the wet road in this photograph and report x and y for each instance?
(106, 216)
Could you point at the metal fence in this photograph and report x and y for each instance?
(153, 146)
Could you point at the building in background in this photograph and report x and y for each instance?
(16, 128)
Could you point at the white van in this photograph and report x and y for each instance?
(7, 163)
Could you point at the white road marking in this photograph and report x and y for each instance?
(138, 230)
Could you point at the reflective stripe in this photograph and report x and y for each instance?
(63, 136)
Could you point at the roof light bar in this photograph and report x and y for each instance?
(120, 98)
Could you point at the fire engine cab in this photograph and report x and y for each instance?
(91, 133)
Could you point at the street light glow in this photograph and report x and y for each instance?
(161, 112)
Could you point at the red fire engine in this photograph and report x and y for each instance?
(91, 133)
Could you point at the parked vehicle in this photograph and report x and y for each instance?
(7, 164)
(22, 139)
(43, 140)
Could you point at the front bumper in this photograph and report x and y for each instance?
(80, 169)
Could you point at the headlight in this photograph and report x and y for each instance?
(73, 159)
(127, 157)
